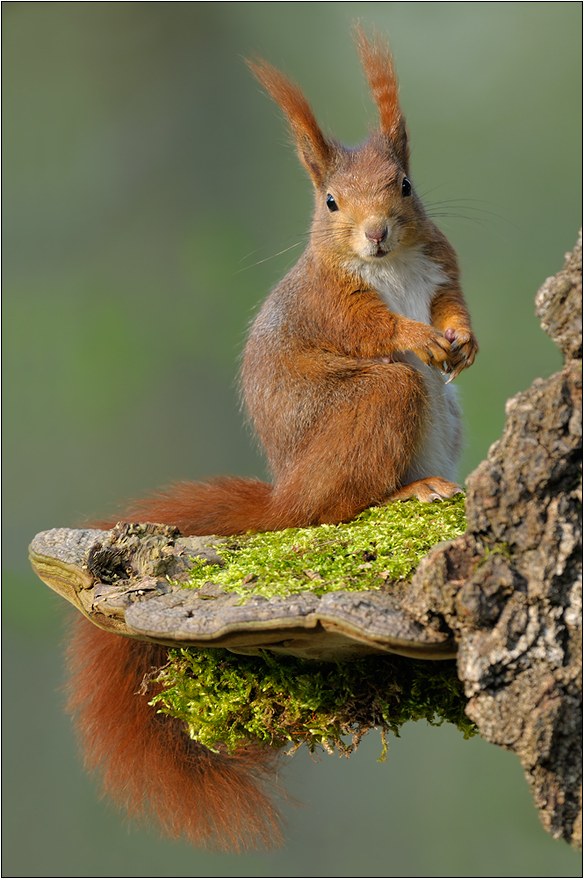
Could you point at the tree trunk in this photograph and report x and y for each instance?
(510, 589)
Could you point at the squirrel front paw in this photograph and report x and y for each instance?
(432, 347)
(463, 350)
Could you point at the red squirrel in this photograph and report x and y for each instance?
(344, 381)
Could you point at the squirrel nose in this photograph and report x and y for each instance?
(377, 233)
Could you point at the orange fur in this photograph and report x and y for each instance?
(341, 378)
(313, 148)
(147, 763)
(380, 74)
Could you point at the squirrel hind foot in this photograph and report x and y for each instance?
(427, 490)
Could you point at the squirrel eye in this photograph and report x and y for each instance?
(331, 203)
(406, 187)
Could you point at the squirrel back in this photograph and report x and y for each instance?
(343, 379)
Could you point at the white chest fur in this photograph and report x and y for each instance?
(408, 283)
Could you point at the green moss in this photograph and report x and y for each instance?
(279, 700)
(285, 700)
(382, 544)
(495, 549)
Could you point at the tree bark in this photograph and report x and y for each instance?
(510, 589)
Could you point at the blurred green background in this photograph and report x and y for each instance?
(149, 186)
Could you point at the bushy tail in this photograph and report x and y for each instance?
(223, 506)
(147, 762)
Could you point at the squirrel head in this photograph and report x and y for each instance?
(366, 207)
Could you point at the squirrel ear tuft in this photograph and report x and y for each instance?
(314, 150)
(378, 66)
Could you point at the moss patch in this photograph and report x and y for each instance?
(283, 700)
(382, 545)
